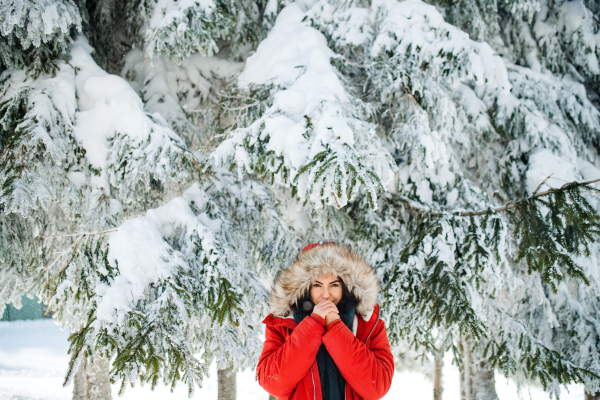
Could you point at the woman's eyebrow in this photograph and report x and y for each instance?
(318, 282)
(336, 281)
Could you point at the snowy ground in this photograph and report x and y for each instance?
(33, 360)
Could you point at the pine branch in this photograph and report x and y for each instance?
(52, 58)
(550, 232)
(227, 304)
(533, 353)
(78, 342)
(202, 167)
(563, 188)
(435, 292)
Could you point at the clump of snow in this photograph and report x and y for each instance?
(123, 143)
(312, 113)
(165, 12)
(545, 164)
(588, 171)
(424, 191)
(473, 106)
(142, 256)
(576, 20)
(418, 30)
(107, 105)
(181, 28)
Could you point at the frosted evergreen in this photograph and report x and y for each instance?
(179, 92)
(156, 288)
(178, 29)
(160, 161)
(36, 31)
(36, 124)
(313, 137)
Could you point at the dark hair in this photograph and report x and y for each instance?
(305, 303)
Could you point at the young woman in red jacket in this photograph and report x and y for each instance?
(324, 338)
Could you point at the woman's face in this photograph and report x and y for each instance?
(326, 287)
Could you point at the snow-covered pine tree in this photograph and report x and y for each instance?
(466, 264)
(109, 216)
(428, 136)
(464, 141)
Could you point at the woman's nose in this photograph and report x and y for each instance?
(326, 293)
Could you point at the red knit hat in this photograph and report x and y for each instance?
(310, 246)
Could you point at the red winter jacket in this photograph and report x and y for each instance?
(287, 367)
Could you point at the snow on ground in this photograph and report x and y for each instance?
(33, 361)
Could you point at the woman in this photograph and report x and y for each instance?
(324, 338)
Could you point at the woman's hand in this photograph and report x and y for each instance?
(329, 318)
(326, 308)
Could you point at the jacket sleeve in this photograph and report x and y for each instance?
(282, 363)
(368, 370)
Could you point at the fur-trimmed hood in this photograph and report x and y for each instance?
(293, 282)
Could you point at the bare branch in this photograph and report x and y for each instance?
(80, 234)
(541, 183)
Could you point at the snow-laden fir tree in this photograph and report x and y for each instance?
(152, 210)
(146, 255)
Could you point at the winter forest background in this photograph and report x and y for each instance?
(161, 160)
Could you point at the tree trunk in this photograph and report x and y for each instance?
(465, 371)
(92, 381)
(227, 385)
(437, 378)
(476, 377)
(589, 396)
(484, 383)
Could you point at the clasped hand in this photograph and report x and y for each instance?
(327, 309)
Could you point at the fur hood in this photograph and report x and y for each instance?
(358, 276)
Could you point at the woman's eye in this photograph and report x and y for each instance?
(335, 284)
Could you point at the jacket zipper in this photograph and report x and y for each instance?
(371, 330)
(366, 340)
(313, 381)
(311, 368)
